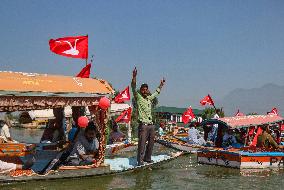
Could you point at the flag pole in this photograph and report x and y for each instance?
(88, 52)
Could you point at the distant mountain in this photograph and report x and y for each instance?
(259, 100)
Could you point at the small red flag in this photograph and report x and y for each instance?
(75, 47)
(239, 113)
(125, 116)
(123, 96)
(85, 72)
(274, 111)
(188, 115)
(207, 100)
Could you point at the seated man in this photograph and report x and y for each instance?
(5, 132)
(194, 136)
(265, 140)
(116, 135)
(54, 132)
(229, 139)
(85, 148)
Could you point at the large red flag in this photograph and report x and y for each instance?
(188, 115)
(85, 72)
(239, 113)
(75, 47)
(123, 96)
(274, 111)
(254, 141)
(207, 100)
(125, 116)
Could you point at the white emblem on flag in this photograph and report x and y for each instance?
(72, 50)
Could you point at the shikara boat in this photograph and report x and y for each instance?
(31, 91)
(248, 156)
(178, 143)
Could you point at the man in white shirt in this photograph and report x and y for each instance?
(194, 136)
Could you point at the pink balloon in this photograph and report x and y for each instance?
(83, 121)
(104, 103)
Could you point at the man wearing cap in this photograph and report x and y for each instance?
(146, 129)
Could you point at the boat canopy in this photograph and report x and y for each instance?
(30, 91)
(245, 121)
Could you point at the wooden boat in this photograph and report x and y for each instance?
(178, 143)
(28, 91)
(248, 156)
(110, 166)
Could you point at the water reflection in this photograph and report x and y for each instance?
(26, 135)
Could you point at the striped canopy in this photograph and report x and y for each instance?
(245, 121)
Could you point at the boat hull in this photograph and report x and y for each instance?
(241, 159)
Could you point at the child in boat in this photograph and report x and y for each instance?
(116, 135)
(194, 136)
(85, 148)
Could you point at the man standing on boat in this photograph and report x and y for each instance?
(146, 129)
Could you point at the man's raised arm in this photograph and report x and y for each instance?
(133, 82)
(158, 90)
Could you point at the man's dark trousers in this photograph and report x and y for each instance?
(146, 132)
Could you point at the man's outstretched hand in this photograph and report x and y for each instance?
(162, 82)
(134, 73)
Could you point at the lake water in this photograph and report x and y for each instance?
(181, 173)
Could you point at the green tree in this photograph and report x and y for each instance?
(208, 113)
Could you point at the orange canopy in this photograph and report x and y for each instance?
(28, 91)
(26, 82)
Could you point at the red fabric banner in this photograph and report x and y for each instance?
(207, 100)
(85, 72)
(75, 47)
(188, 115)
(125, 116)
(123, 96)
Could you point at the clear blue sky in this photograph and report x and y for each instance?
(200, 47)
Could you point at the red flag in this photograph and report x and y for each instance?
(75, 47)
(254, 141)
(188, 115)
(239, 113)
(85, 72)
(125, 116)
(274, 111)
(207, 100)
(123, 96)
